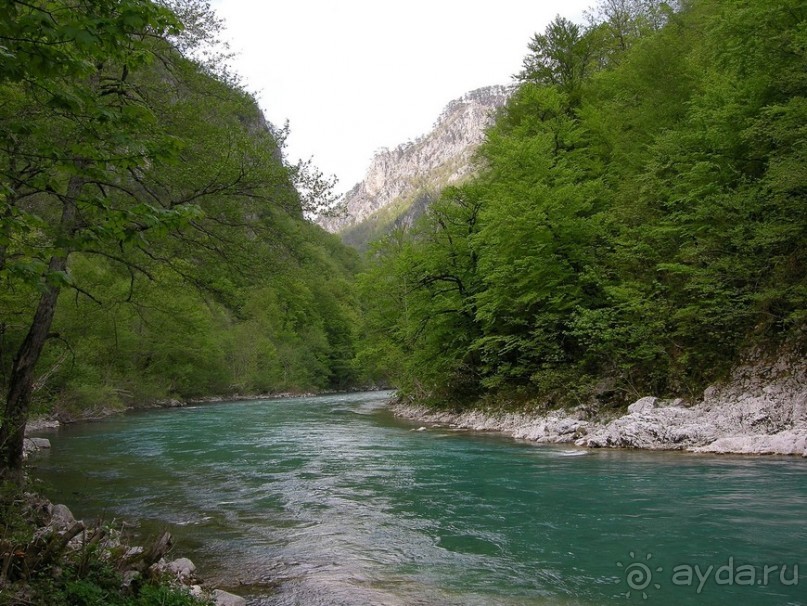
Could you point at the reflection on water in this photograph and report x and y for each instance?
(330, 500)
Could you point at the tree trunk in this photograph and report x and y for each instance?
(15, 415)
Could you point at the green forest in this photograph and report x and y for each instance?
(635, 223)
(153, 240)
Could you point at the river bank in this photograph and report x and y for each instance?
(761, 409)
(132, 562)
(48, 556)
(37, 427)
(43, 423)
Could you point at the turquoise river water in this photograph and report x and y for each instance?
(332, 501)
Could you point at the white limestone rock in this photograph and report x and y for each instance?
(440, 158)
(40, 424)
(788, 442)
(61, 518)
(33, 445)
(182, 568)
(643, 405)
(761, 409)
(223, 598)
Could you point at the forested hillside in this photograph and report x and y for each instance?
(152, 237)
(638, 222)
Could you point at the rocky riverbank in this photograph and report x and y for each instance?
(39, 424)
(45, 552)
(761, 409)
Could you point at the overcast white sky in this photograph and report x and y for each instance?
(353, 76)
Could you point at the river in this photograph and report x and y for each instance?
(332, 501)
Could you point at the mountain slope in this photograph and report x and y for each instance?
(400, 182)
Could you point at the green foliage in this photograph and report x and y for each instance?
(146, 190)
(101, 586)
(399, 212)
(293, 330)
(639, 216)
(561, 56)
(98, 586)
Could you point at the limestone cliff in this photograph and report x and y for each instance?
(400, 182)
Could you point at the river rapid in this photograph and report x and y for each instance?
(331, 500)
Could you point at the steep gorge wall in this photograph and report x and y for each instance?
(400, 182)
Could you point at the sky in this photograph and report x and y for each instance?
(355, 76)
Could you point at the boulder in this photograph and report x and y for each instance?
(183, 568)
(788, 442)
(39, 424)
(61, 518)
(224, 598)
(643, 405)
(31, 445)
(129, 577)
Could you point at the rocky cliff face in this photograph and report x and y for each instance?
(400, 182)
